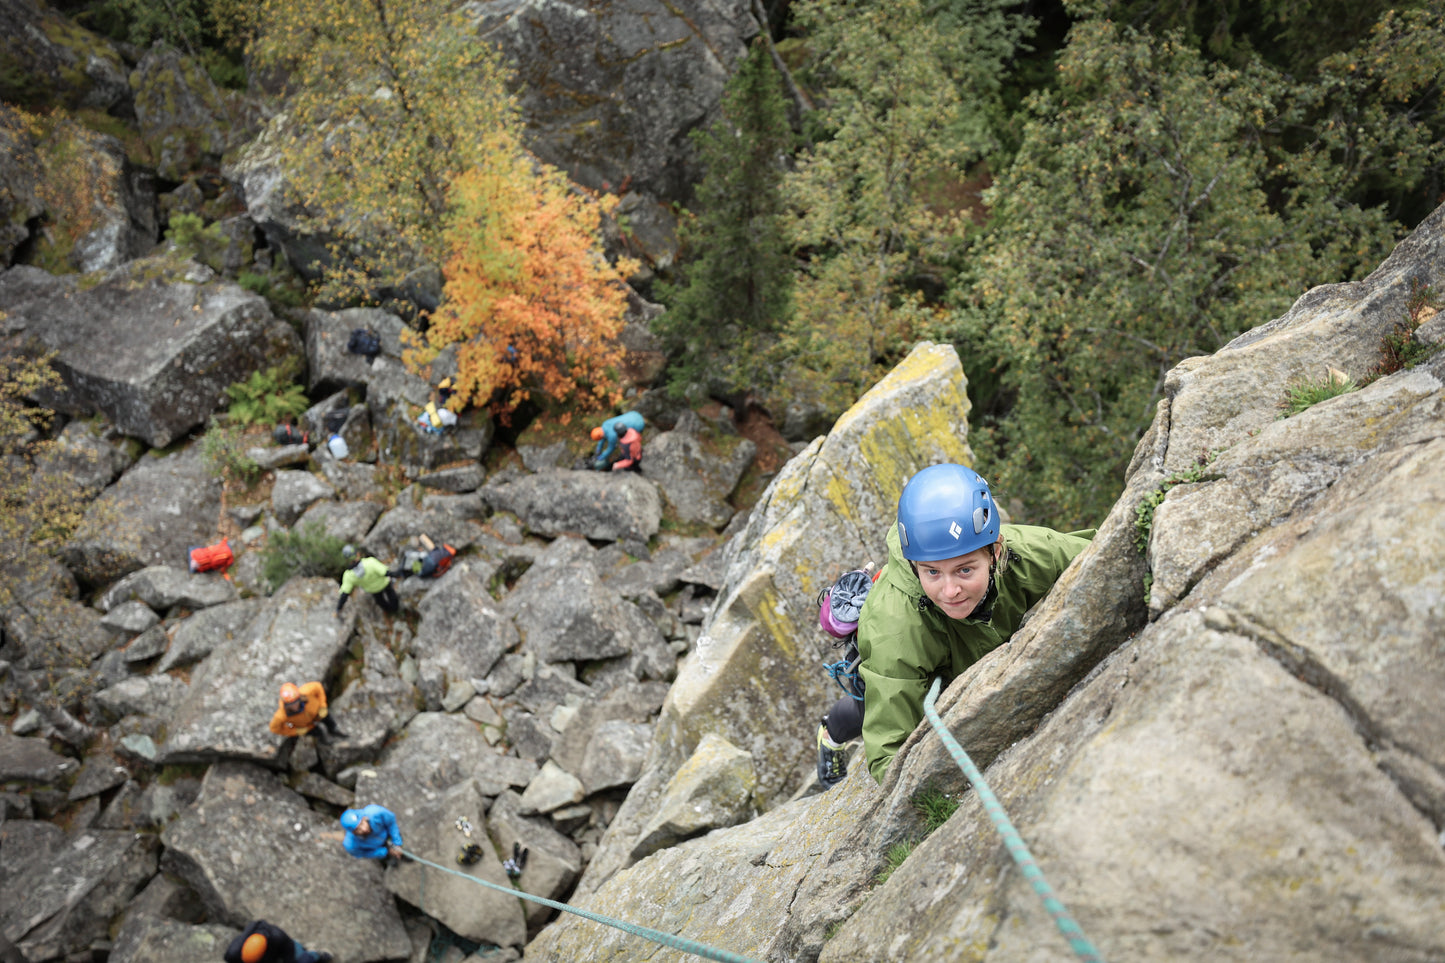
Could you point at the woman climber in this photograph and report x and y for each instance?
(956, 586)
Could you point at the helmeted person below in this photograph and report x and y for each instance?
(609, 435)
(956, 586)
(371, 833)
(263, 942)
(372, 575)
(300, 709)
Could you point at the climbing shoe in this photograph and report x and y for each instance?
(832, 760)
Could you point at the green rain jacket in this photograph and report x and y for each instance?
(373, 579)
(905, 640)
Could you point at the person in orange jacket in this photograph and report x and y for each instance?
(300, 709)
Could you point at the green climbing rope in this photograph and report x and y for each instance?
(656, 936)
(1011, 839)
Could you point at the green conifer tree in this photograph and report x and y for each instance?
(1159, 206)
(734, 293)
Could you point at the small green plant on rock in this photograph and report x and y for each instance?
(1144, 512)
(267, 397)
(935, 807)
(310, 551)
(898, 854)
(1399, 349)
(1302, 395)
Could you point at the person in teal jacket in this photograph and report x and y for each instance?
(372, 575)
(956, 586)
(607, 436)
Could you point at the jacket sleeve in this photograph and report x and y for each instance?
(900, 656)
(278, 723)
(393, 831)
(892, 709)
(315, 697)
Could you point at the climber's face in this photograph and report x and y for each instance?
(957, 585)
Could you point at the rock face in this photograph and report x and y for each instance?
(186, 119)
(233, 692)
(153, 355)
(697, 470)
(151, 516)
(253, 849)
(51, 60)
(609, 91)
(19, 181)
(597, 505)
(1258, 749)
(63, 902)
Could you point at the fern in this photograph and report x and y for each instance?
(266, 397)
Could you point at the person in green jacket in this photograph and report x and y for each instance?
(956, 586)
(372, 575)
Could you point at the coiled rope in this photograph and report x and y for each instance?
(1011, 839)
(656, 936)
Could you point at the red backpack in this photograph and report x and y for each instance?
(208, 558)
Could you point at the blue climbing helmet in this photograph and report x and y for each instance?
(945, 511)
(350, 819)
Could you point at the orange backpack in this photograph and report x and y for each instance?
(208, 558)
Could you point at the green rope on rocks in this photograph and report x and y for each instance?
(656, 936)
(1011, 839)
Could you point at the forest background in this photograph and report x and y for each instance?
(1078, 195)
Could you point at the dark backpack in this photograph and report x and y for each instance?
(364, 341)
(437, 561)
(288, 434)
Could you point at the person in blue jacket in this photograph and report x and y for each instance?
(372, 833)
(607, 436)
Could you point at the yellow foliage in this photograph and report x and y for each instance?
(529, 300)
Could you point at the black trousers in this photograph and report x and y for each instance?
(387, 599)
(845, 720)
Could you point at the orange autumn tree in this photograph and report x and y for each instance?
(529, 300)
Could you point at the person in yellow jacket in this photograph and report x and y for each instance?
(300, 708)
(372, 575)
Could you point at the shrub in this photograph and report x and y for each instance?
(310, 551)
(225, 453)
(193, 239)
(1399, 349)
(267, 397)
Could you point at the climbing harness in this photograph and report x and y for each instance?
(1012, 841)
(656, 936)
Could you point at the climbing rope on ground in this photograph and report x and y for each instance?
(1011, 839)
(656, 936)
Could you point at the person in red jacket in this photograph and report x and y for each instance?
(300, 708)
